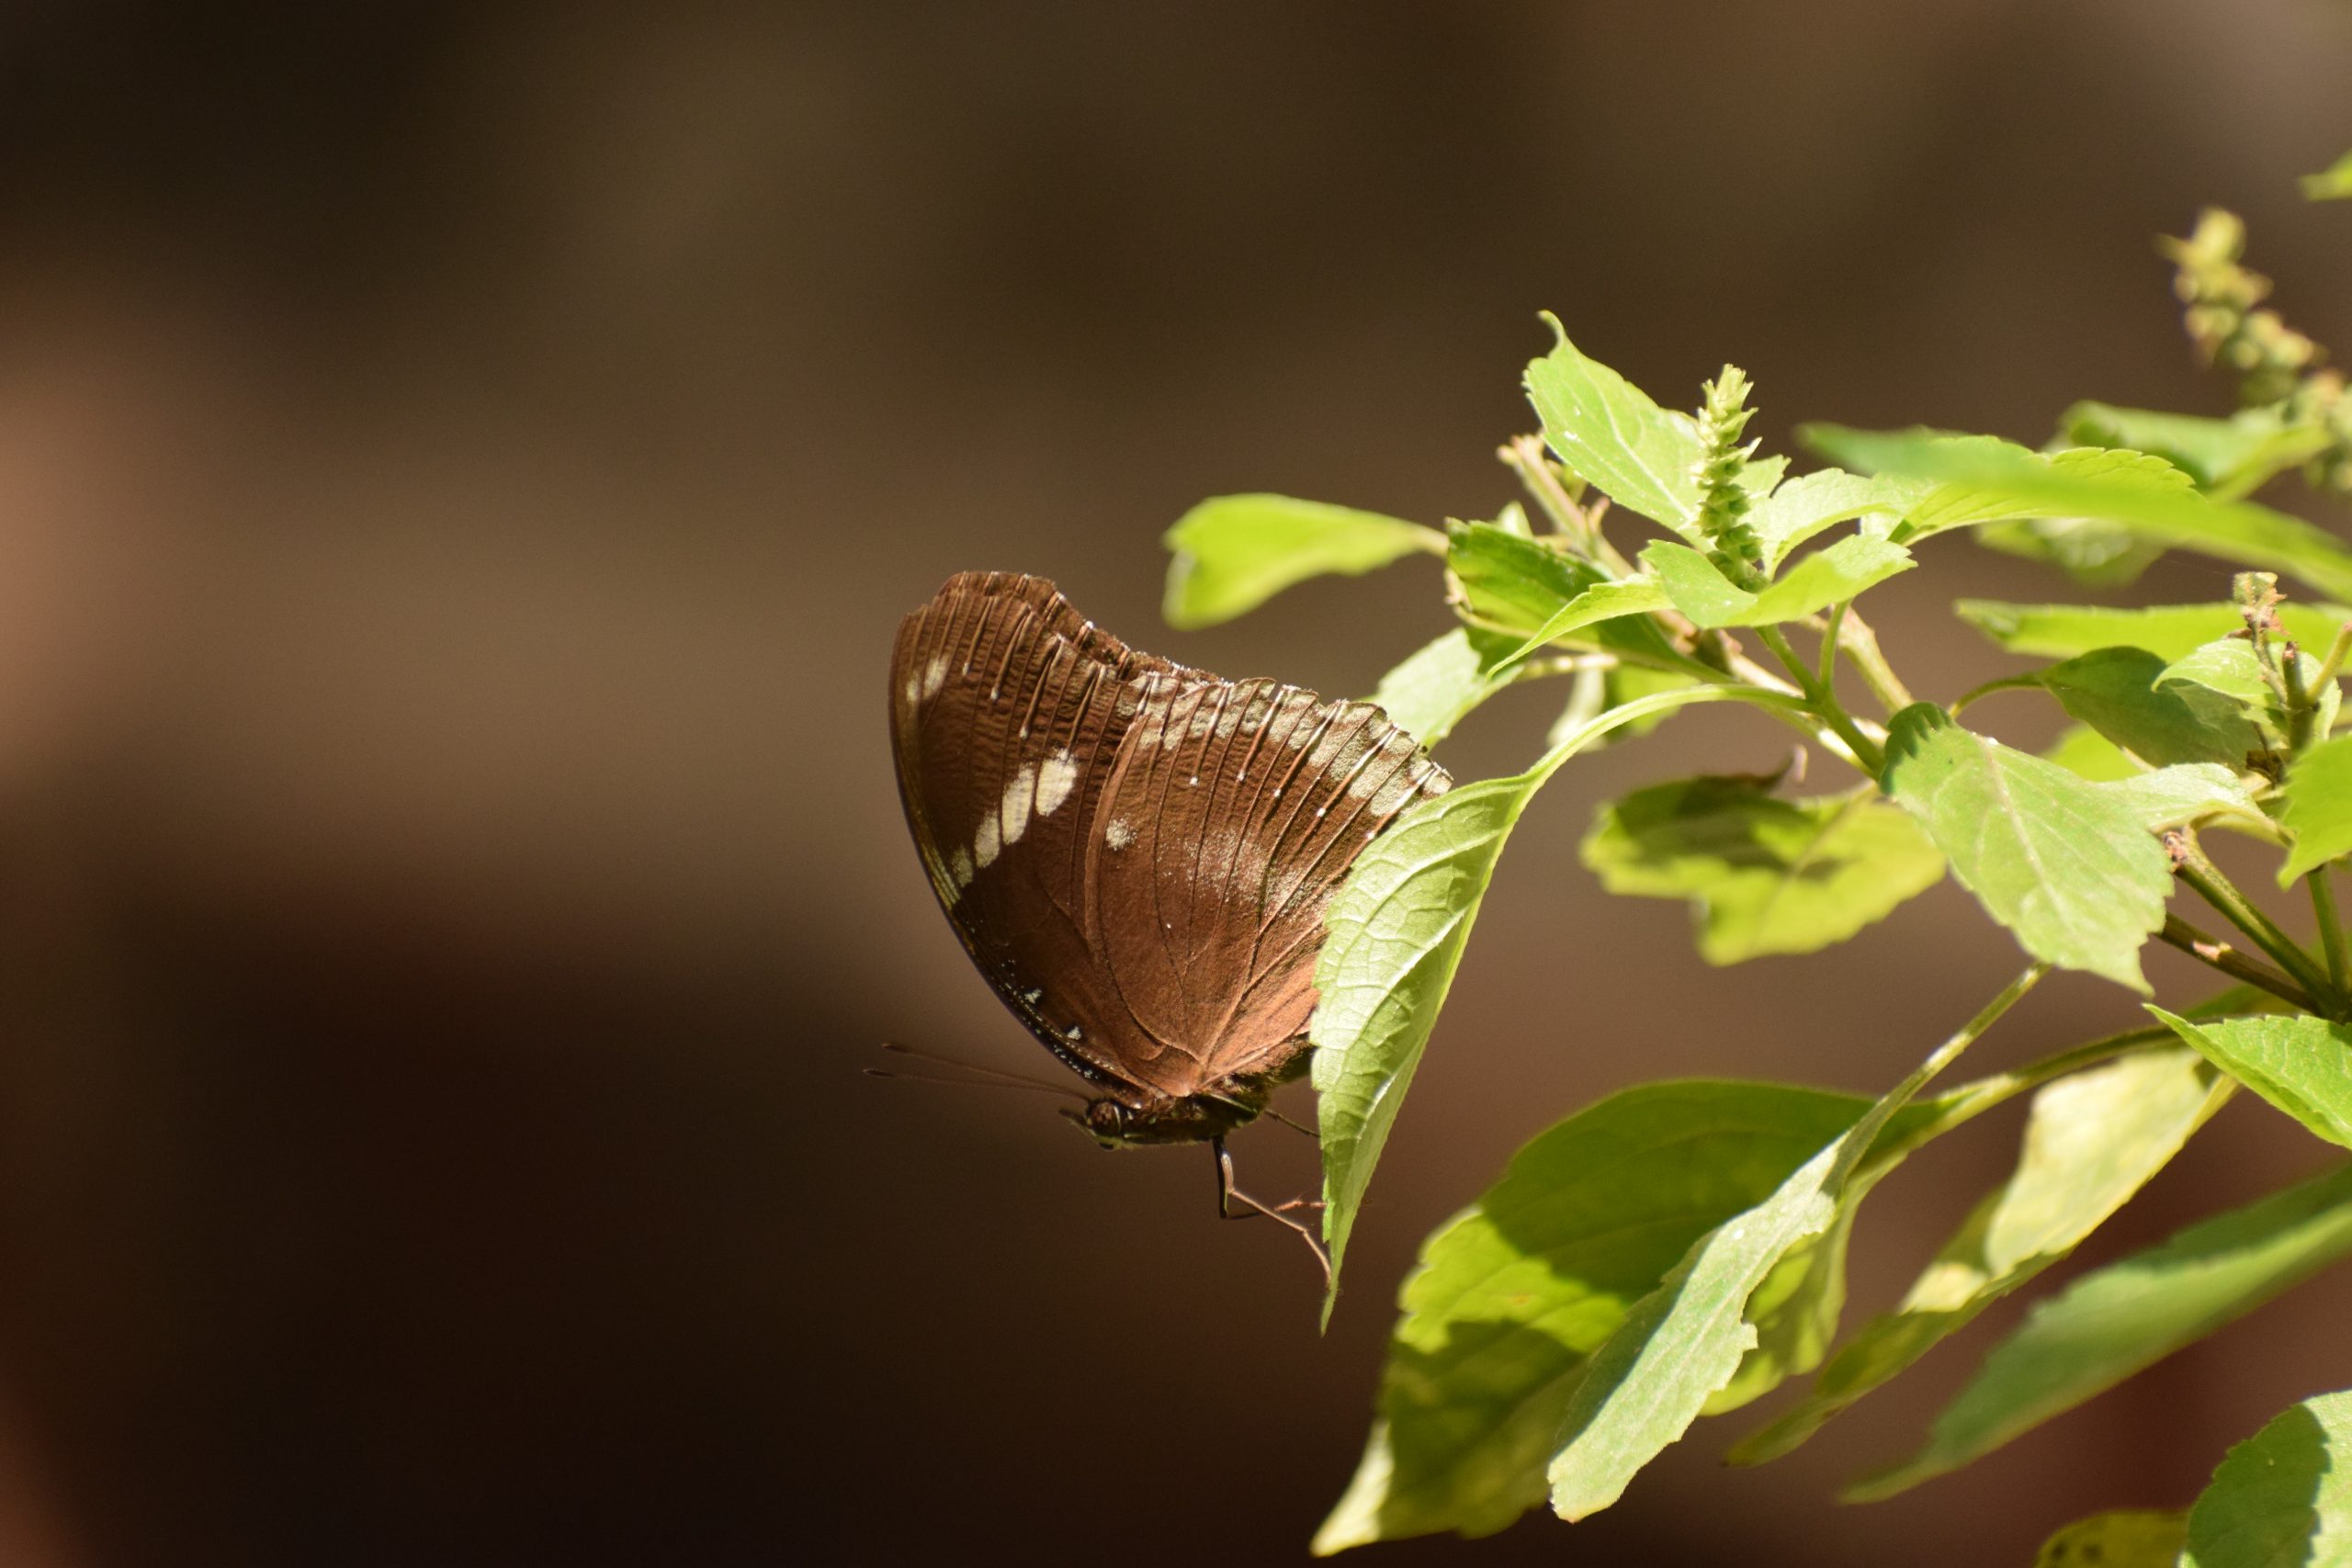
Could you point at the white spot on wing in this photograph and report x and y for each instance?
(934, 675)
(1118, 835)
(984, 845)
(960, 868)
(1055, 780)
(1018, 795)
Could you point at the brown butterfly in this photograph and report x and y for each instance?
(1137, 855)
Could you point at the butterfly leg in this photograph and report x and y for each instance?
(1228, 1195)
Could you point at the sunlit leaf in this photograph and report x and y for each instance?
(2283, 1497)
(1965, 501)
(2093, 1140)
(1524, 586)
(2118, 1320)
(1427, 693)
(1812, 502)
(1395, 928)
(2182, 794)
(2084, 751)
(1608, 430)
(2331, 184)
(1232, 553)
(2066, 864)
(2227, 458)
(1989, 479)
(2319, 807)
(2128, 1538)
(1684, 1342)
(1701, 592)
(1510, 1297)
(1764, 874)
(2300, 1063)
(2223, 682)
(2168, 631)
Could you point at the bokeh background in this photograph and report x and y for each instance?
(460, 469)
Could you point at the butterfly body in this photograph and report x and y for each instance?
(1135, 855)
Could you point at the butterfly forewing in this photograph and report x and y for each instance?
(1137, 855)
(1007, 707)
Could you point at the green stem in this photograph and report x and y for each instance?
(1524, 455)
(2331, 930)
(2180, 933)
(2218, 890)
(2298, 701)
(1826, 674)
(1860, 644)
(1971, 1101)
(2336, 651)
(1824, 703)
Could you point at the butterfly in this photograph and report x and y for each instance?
(1137, 855)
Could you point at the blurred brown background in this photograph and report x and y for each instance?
(461, 468)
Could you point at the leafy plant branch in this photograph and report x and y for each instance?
(1542, 1356)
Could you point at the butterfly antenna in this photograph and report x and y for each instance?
(1275, 1115)
(978, 1074)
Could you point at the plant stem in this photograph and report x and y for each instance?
(2180, 933)
(2335, 660)
(2331, 930)
(1826, 674)
(1860, 644)
(1824, 703)
(1971, 1101)
(1524, 455)
(2191, 866)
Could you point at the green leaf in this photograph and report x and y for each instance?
(1232, 553)
(2319, 807)
(1510, 1297)
(2300, 1063)
(2066, 864)
(2095, 554)
(2114, 691)
(1990, 479)
(2128, 1538)
(1763, 875)
(1429, 693)
(2168, 631)
(2331, 184)
(2093, 1140)
(1812, 502)
(2186, 793)
(2227, 458)
(1509, 581)
(1437, 687)
(1701, 592)
(2118, 1320)
(1606, 429)
(1965, 500)
(2283, 1497)
(1687, 1339)
(2084, 753)
(2223, 682)
(1396, 930)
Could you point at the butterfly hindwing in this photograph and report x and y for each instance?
(1137, 855)
(1234, 812)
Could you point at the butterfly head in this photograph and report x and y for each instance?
(1116, 1124)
